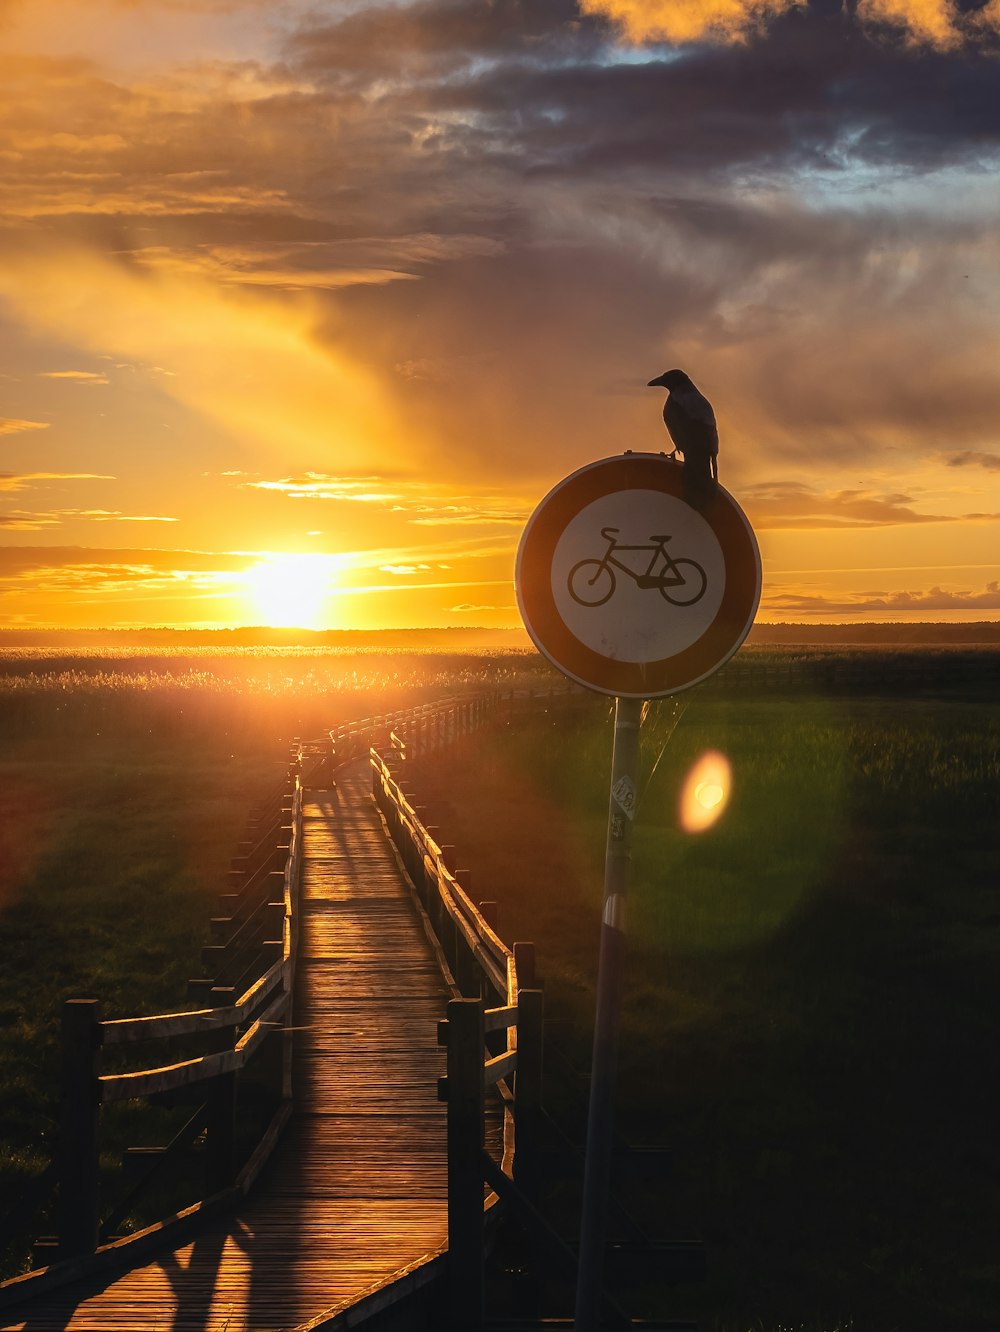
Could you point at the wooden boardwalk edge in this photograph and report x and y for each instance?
(120, 1255)
(409, 1281)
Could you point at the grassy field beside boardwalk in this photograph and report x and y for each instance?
(126, 778)
(813, 990)
(111, 858)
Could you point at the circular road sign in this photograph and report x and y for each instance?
(630, 590)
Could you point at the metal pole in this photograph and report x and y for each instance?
(610, 985)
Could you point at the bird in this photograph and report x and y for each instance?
(691, 425)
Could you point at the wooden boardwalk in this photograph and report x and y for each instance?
(357, 1190)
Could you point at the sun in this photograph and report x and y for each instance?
(291, 591)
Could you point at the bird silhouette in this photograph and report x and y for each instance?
(690, 423)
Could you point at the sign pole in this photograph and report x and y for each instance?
(610, 987)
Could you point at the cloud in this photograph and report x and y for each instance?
(933, 601)
(17, 561)
(792, 504)
(780, 206)
(77, 376)
(403, 569)
(970, 458)
(688, 20)
(23, 520)
(329, 265)
(936, 23)
(15, 481)
(468, 515)
(415, 499)
(318, 485)
(10, 426)
(275, 385)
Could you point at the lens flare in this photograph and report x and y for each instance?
(705, 792)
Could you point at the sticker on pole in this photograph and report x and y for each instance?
(630, 590)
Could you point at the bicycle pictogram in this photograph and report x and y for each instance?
(592, 582)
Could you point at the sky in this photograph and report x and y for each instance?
(304, 306)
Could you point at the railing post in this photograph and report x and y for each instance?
(466, 1306)
(466, 972)
(524, 963)
(220, 1124)
(528, 1088)
(79, 1219)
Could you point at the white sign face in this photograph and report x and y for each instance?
(630, 589)
(638, 575)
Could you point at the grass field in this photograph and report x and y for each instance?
(813, 990)
(813, 983)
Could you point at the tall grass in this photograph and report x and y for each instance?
(231, 694)
(812, 990)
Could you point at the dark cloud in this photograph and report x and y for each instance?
(437, 38)
(791, 504)
(970, 458)
(534, 88)
(932, 601)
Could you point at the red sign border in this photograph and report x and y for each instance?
(549, 632)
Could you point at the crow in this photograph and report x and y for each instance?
(690, 423)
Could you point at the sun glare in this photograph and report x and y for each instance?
(705, 792)
(291, 591)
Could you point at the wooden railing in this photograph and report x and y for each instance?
(165, 1056)
(493, 1033)
(427, 727)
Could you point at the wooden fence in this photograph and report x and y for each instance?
(493, 1028)
(246, 1008)
(204, 1050)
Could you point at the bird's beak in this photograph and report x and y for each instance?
(656, 383)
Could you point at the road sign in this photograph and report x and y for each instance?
(630, 590)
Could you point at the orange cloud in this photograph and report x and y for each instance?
(316, 485)
(275, 384)
(14, 481)
(688, 20)
(10, 426)
(936, 23)
(79, 376)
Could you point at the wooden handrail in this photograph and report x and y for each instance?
(264, 1004)
(481, 962)
(121, 1031)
